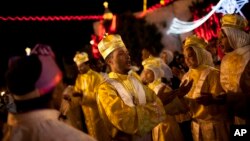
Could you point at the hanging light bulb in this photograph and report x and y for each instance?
(92, 42)
(3, 93)
(144, 5)
(108, 15)
(162, 2)
(27, 50)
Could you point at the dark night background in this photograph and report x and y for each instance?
(65, 37)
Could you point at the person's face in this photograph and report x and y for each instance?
(83, 68)
(164, 56)
(190, 57)
(147, 76)
(224, 43)
(120, 61)
(145, 54)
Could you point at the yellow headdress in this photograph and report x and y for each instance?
(195, 41)
(109, 43)
(81, 58)
(233, 20)
(155, 66)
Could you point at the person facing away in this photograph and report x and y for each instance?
(86, 84)
(130, 109)
(33, 81)
(235, 65)
(209, 121)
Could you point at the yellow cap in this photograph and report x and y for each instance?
(195, 41)
(233, 20)
(151, 63)
(109, 43)
(81, 58)
(151, 60)
(155, 66)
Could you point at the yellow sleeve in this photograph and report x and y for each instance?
(87, 84)
(214, 82)
(78, 84)
(89, 93)
(139, 119)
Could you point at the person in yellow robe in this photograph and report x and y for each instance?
(235, 66)
(168, 130)
(209, 121)
(86, 83)
(148, 57)
(130, 109)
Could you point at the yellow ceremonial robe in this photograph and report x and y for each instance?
(168, 130)
(235, 70)
(128, 123)
(87, 84)
(210, 122)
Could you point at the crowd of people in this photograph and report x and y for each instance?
(193, 95)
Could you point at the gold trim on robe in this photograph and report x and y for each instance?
(123, 121)
(168, 130)
(209, 122)
(87, 84)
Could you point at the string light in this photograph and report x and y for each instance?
(52, 18)
(210, 28)
(178, 26)
(232, 6)
(70, 18)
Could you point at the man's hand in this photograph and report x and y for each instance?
(42, 49)
(205, 99)
(208, 98)
(166, 97)
(184, 88)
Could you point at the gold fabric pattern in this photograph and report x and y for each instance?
(234, 20)
(119, 117)
(109, 43)
(87, 84)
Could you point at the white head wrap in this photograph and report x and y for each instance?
(203, 56)
(170, 55)
(237, 38)
(158, 72)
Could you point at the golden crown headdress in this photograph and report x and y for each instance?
(81, 57)
(234, 20)
(109, 43)
(195, 41)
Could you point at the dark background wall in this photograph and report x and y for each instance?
(65, 37)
